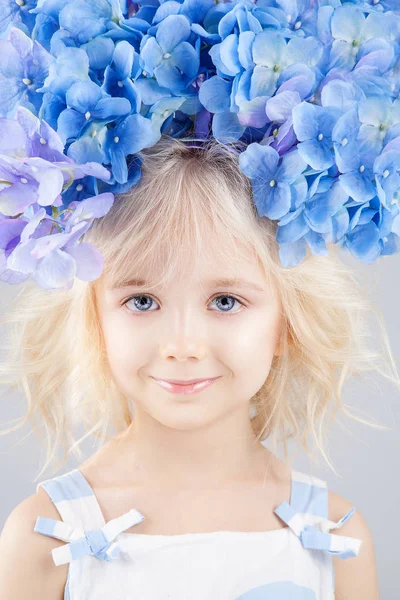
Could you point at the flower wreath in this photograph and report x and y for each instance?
(310, 86)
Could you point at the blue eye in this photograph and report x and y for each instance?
(142, 301)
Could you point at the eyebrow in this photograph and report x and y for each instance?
(224, 282)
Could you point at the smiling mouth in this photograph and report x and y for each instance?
(186, 388)
(184, 381)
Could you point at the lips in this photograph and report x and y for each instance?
(187, 388)
(184, 381)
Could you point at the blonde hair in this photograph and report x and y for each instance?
(55, 352)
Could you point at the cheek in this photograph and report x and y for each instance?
(124, 347)
(256, 336)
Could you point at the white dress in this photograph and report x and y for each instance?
(105, 563)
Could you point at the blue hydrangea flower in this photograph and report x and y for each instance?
(321, 217)
(376, 5)
(88, 147)
(313, 128)
(24, 66)
(386, 169)
(70, 66)
(130, 136)
(354, 158)
(378, 118)
(16, 14)
(353, 32)
(271, 177)
(279, 109)
(169, 56)
(117, 76)
(100, 52)
(87, 102)
(216, 95)
(301, 16)
(87, 19)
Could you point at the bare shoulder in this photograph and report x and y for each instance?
(21, 546)
(355, 577)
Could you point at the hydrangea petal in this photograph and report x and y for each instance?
(15, 198)
(341, 56)
(258, 161)
(186, 59)
(272, 202)
(89, 261)
(226, 127)
(252, 112)
(263, 82)
(12, 137)
(55, 270)
(214, 94)
(92, 208)
(316, 243)
(292, 254)
(122, 60)
(9, 229)
(151, 55)
(347, 23)
(100, 52)
(21, 258)
(85, 19)
(168, 76)
(172, 31)
(292, 166)
(340, 94)
(268, 48)
(8, 275)
(229, 55)
(376, 53)
(69, 124)
(246, 39)
(51, 182)
(10, 71)
(305, 123)
(119, 166)
(316, 154)
(85, 149)
(292, 231)
(363, 242)
(357, 186)
(83, 96)
(280, 107)
(111, 108)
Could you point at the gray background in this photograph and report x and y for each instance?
(366, 459)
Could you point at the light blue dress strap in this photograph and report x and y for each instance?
(74, 499)
(307, 517)
(309, 494)
(83, 525)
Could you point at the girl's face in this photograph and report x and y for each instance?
(193, 329)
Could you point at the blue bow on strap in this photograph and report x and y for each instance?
(316, 536)
(96, 542)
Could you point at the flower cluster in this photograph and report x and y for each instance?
(34, 174)
(311, 88)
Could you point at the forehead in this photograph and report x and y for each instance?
(210, 259)
(243, 274)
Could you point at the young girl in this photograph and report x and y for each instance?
(183, 500)
(223, 316)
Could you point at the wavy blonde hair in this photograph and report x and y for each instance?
(186, 199)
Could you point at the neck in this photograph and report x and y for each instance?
(220, 454)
